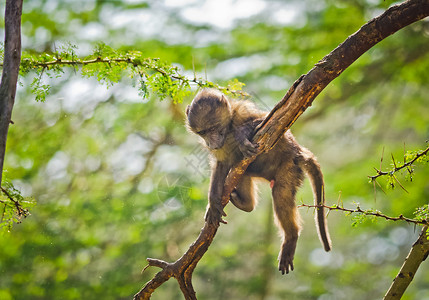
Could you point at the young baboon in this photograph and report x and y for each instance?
(227, 128)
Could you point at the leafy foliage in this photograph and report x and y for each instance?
(359, 219)
(410, 157)
(422, 213)
(13, 205)
(109, 66)
(419, 156)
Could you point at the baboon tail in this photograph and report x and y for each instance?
(312, 168)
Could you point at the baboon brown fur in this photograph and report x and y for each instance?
(227, 127)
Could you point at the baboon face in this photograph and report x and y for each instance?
(209, 116)
(214, 136)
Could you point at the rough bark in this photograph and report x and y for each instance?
(294, 103)
(418, 253)
(11, 63)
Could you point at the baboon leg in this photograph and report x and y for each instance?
(288, 219)
(243, 196)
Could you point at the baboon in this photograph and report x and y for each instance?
(227, 127)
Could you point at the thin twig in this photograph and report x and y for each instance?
(368, 213)
(128, 60)
(398, 168)
(21, 211)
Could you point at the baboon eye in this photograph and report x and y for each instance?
(204, 132)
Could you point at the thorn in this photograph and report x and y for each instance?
(400, 184)
(145, 268)
(193, 67)
(393, 160)
(339, 199)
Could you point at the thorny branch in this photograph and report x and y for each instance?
(133, 61)
(295, 102)
(398, 168)
(375, 213)
(20, 211)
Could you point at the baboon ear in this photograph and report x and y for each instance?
(224, 100)
(187, 109)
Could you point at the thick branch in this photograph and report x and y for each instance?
(182, 269)
(418, 253)
(11, 62)
(296, 101)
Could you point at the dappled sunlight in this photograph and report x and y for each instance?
(117, 178)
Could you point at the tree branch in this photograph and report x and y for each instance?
(182, 268)
(148, 64)
(398, 168)
(418, 253)
(9, 78)
(294, 103)
(21, 212)
(133, 59)
(374, 213)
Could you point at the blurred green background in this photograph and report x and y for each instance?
(118, 179)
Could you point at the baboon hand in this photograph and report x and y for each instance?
(248, 148)
(214, 214)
